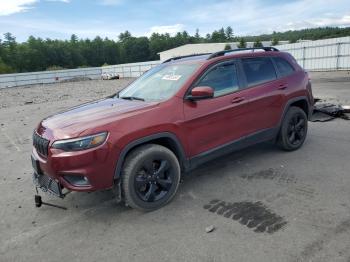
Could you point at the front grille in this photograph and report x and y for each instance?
(41, 144)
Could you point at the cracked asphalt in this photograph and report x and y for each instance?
(306, 193)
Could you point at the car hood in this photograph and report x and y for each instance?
(90, 117)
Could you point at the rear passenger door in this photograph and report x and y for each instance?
(288, 79)
(261, 90)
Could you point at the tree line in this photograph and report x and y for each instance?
(37, 54)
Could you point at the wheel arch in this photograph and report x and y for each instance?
(301, 102)
(166, 139)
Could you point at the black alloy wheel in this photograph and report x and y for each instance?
(150, 177)
(154, 180)
(296, 129)
(293, 129)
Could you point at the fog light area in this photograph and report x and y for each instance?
(77, 180)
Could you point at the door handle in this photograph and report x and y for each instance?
(237, 100)
(282, 86)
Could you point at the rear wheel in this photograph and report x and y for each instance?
(293, 130)
(150, 177)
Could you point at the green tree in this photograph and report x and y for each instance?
(242, 43)
(124, 36)
(229, 33)
(10, 40)
(74, 39)
(257, 43)
(5, 69)
(197, 34)
(136, 49)
(10, 53)
(293, 40)
(274, 41)
(218, 36)
(227, 47)
(197, 37)
(207, 37)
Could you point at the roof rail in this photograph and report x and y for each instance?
(184, 56)
(221, 53)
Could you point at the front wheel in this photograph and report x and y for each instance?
(293, 130)
(150, 177)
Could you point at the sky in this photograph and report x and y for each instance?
(59, 19)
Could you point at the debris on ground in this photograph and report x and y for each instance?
(346, 109)
(76, 79)
(324, 111)
(28, 102)
(109, 76)
(209, 229)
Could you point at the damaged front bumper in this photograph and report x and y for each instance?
(44, 182)
(48, 185)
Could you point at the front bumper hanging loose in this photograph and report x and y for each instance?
(48, 185)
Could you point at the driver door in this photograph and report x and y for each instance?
(216, 121)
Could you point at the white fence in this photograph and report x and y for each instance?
(130, 70)
(46, 77)
(320, 55)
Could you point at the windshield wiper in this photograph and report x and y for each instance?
(132, 98)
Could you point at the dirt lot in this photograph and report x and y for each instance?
(298, 203)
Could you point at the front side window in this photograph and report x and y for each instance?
(160, 83)
(222, 78)
(283, 67)
(258, 70)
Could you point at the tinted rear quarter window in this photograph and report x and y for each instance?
(283, 66)
(258, 70)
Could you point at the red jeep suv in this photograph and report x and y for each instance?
(173, 118)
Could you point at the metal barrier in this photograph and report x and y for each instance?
(130, 70)
(47, 77)
(321, 55)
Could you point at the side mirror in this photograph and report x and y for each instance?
(201, 92)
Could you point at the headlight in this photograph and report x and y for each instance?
(80, 143)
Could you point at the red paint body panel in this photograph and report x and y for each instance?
(199, 125)
(212, 122)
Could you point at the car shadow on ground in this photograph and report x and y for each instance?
(233, 160)
(217, 167)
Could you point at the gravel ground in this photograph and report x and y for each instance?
(76, 91)
(283, 206)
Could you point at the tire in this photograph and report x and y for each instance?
(150, 177)
(293, 129)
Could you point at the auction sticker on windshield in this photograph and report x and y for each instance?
(171, 77)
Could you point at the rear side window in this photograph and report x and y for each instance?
(258, 70)
(222, 78)
(283, 67)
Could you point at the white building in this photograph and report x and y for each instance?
(191, 49)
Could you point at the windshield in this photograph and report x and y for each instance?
(159, 83)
